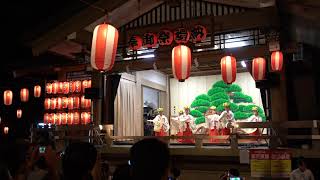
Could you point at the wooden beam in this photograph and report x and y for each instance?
(163, 60)
(73, 24)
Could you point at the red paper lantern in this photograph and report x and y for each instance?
(19, 113)
(55, 87)
(64, 118)
(165, 37)
(198, 33)
(48, 88)
(76, 102)
(47, 104)
(53, 103)
(181, 35)
(75, 86)
(85, 103)
(57, 118)
(60, 87)
(85, 84)
(7, 97)
(46, 118)
(37, 91)
(276, 61)
(51, 120)
(150, 40)
(24, 95)
(135, 42)
(181, 62)
(70, 118)
(65, 88)
(228, 69)
(258, 68)
(59, 103)
(76, 117)
(6, 130)
(104, 47)
(70, 102)
(85, 118)
(64, 102)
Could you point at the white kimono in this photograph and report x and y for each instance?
(252, 118)
(161, 122)
(175, 125)
(226, 118)
(187, 119)
(213, 121)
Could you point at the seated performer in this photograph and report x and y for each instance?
(188, 125)
(160, 123)
(254, 118)
(212, 118)
(227, 119)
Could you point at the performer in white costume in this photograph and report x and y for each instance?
(161, 124)
(212, 118)
(227, 119)
(188, 125)
(254, 118)
(176, 124)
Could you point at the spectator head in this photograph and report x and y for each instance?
(302, 164)
(79, 160)
(122, 173)
(234, 172)
(149, 159)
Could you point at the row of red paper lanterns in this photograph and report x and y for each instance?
(72, 118)
(105, 39)
(67, 87)
(165, 37)
(66, 103)
(24, 95)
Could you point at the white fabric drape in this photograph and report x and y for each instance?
(125, 105)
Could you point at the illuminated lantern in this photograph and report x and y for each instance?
(64, 118)
(48, 88)
(228, 69)
(76, 102)
(165, 37)
(70, 102)
(258, 68)
(53, 103)
(85, 103)
(59, 103)
(24, 94)
(65, 88)
(89, 83)
(198, 33)
(181, 35)
(55, 87)
(135, 42)
(7, 97)
(46, 118)
(181, 62)
(85, 118)
(47, 104)
(57, 118)
(60, 87)
(276, 61)
(104, 47)
(70, 118)
(37, 91)
(54, 119)
(150, 40)
(6, 130)
(64, 102)
(76, 118)
(85, 84)
(19, 113)
(75, 86)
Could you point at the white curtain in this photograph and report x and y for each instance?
(126, 123)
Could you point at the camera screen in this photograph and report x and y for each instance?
(235, 178)
(42, 149)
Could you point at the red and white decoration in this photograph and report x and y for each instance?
(70, 118)
(70, 103)
(76, 118)
(104, 47)
(258, 68)
(135, 42)
(75, 86)
(6, 130)
(7, 97)
(60, 87)
(85, 103)
(53, 103)
(76, 102)
(19, 113)
(47, 103)
(181, 62)
(48, 88)
(46, 118)
(65, 88)
(228, 69)
(24, 95)
(64, 103)
(85, 118)
(86, 84)
(165, 37)
(55, 87)
(276, 61)
(198, 33)
(59, 103)
(37, 91)
(181, 35)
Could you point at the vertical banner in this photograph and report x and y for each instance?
(260, 162)
(280, 163)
